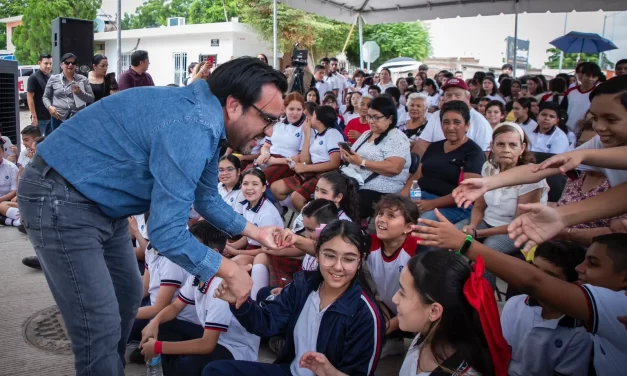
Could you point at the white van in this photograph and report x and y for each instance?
(24, 71)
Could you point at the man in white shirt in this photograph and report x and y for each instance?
(340, 81)
(480, 131)
(322, 84)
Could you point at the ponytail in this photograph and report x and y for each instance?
(346, 186)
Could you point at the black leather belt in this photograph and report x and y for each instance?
(39, 164)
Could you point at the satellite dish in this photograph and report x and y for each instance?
(99, 25)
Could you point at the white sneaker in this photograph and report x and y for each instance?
(393, 346)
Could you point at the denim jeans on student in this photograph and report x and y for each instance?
(89, 264)
(452, 213)
(45, 126)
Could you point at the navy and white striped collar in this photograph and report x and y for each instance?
(547, 133)
(257, 207)
(298, 123)
(566, 321)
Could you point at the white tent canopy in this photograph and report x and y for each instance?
(383, 11)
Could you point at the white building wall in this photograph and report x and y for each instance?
(161, 50)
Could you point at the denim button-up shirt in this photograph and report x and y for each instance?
(151, 148)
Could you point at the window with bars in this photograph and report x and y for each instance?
(180, 67)
(126, 60)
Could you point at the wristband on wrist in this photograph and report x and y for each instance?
(158, 347)
(475, 230)
(466, 246)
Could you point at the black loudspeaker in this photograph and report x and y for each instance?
(75, 36)
(9, 103)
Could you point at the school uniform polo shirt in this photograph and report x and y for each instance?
(609, 334)
(261, 215)
(323, 87)
(287, 139)
(386, 270)
(215, 314)
(8, 177)
(164, 272)
(383, 87)
(24, 157)
(615, 177)
(479, 131)
(233, 197)
(324, 144)
(554, 141)
(578, 105)
(306, 332)
(410, 363)
(543, 347)
(529, 126)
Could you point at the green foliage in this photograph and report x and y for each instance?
(406, 39)
(570, 60)
(35, 35)
(9, 8)
(155, 13)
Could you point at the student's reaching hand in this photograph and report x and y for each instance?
(565, 161)
(284, 238)
(537, 224)
(148, 349)
(442, 234)
(318, 364)
(265, 236)
(469, 191)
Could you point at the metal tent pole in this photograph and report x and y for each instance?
(275, 46)
(562, 52)
(515, 63)
(119, 39)
(361, 41)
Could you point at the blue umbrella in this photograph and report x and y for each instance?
(578, 42)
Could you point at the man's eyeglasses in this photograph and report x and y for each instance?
(269, 119)
(69, 62)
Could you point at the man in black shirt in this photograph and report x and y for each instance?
(35, 91)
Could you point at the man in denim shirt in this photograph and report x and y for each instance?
(144, 149)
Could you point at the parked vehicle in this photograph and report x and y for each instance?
(24, 71)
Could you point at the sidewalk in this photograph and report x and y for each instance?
(24, 292)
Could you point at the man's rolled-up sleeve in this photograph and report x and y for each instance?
(178, 157)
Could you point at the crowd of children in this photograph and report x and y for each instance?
(335, 297)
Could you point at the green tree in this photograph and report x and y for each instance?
(570, 60)
(34, 36)
(9, 8)
(155, 13)
(406, 39)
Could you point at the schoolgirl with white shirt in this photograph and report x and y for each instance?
(359, 77)
(548, 137)
(331, 310)
(524, 115)
(257, 210)
(433, 301)
(320, 154)
(386, 80)
(286, 141)
(229, 181)
(187, 347)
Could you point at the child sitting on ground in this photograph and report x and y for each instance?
(186, 347)
(390, 249)
(9, 216)
(544, 341)
(30, 134)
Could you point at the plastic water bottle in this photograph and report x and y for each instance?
(153, 367)
(414, 192)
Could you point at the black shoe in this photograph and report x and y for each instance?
(136, 357)
(32, 262)
(22, 229)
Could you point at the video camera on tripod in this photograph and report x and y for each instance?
(299, 60)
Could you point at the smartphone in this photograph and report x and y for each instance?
(345, 146)
(524, 87)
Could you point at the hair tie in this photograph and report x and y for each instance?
(515, 126)
(319, 230)
(480, 296)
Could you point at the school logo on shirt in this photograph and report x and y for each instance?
(232, 198)
(559, 343)
(297, 134)
(321, 142)
(7, 177)
(400, 268)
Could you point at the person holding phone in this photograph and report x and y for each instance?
(66, 93)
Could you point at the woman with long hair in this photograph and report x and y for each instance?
(431, 88)
(331, 310)
(313, 95)
(102, 83)
(489, 90)
(523, 111)
(352, 108)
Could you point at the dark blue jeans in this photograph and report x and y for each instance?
(54, 124)
(45, 127)
(452, 213)
(189, 365)
(89, 265)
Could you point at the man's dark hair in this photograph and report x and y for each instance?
(209, 235)
(68, 55)
(423, 68)
(448, 74)
(507, 66)
(319, 68)
(490, 74)
(138, 56)
(615, 244)
(44, 56)
(325, 60)
(564, 255)
(375, 87)
(334, 59)
(460, 72)
(243, 79)
(31, 130)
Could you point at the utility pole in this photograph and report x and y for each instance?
(119, 39)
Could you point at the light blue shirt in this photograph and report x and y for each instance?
(151, 148)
